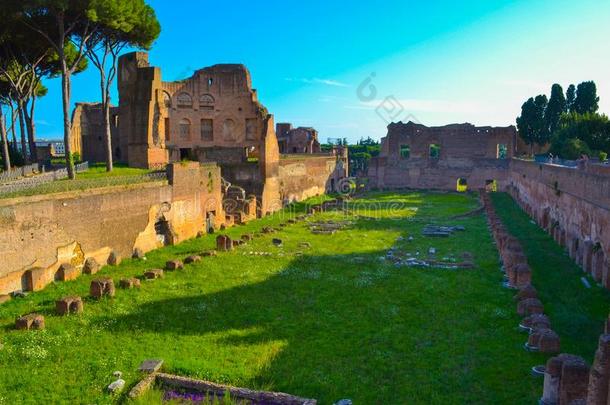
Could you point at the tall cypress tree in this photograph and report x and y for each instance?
(571, 98)
(586, 98)
(554, 109)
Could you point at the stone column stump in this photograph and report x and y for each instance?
(103, 287)
(69, 305)
(30, 322)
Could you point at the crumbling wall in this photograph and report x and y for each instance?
(476, 154)
(303, 176)
(573, 205)
(46, 231)
(88, 134)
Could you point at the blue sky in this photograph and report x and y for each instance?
(347, 68)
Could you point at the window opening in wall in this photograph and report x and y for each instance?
(250, 129)
(210, 81)
(166, 129)
(435, 151)
(405, 151)
(209, 221)
(502, 151)
(185, 100)
(207, 130)
(162, 231)
(185, 129)
(462, 185)
(186, 154)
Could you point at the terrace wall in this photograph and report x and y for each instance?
(302, 176)
(41, 233)
(573, 205)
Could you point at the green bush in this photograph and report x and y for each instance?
(603, 156)
(573, 149)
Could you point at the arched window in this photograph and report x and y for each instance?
(185, 129)
(167, 100)
(185, 100)
(228, 130)
(206, 102)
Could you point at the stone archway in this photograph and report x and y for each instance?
(587, 256)
(598, 260)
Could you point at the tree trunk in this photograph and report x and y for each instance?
(106, 118)
(29, 120)
(65, 93)
(6, 158)
(22, 130)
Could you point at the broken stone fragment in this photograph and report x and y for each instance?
(30, 322)
(306, 245)
(67, 272)
(276, 242)
(69, 305)
(247, 237)
(208, 253)
(91, 266)
(153, 274)
(174, 265)
(150, 366)
(116, 386)
(192, 259)
(237, 242)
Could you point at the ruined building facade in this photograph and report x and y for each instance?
(297, 140)
(212, 116)
(415, 156)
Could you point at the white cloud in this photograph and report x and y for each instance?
(421, 105)
(326, 82)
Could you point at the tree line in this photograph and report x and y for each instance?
(43, 39)
(569, 122)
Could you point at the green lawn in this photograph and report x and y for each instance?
(329, 322)
(98, 170)
(95, 177)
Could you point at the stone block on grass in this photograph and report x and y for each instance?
(129, 283)
(192, 259)
(103, 287)
(30, 322)
(153, 274)
(224, 243)
(174, 265)
(69, 305)
(530, 306)
(67, 272)
(91, 266)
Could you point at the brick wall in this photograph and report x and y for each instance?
(43, 232)
(573, 205)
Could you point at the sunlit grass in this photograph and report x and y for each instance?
(332, 321)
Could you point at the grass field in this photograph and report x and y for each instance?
(332, 321)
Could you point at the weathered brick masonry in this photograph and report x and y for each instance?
(39, 234)
(573, 205)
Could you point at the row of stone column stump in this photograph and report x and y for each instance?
(568, 379)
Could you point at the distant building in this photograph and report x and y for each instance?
(297, 140)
